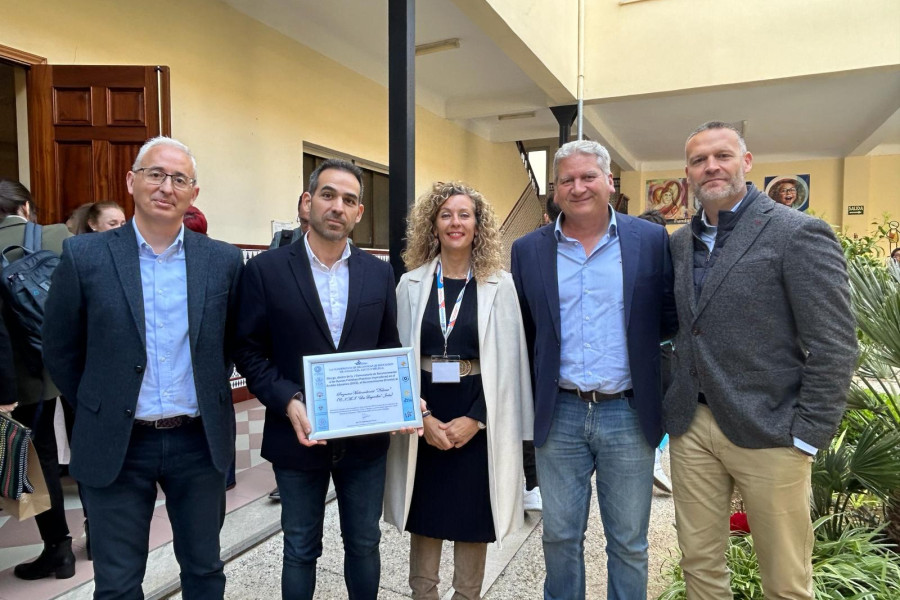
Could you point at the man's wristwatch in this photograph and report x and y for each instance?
(481, 425)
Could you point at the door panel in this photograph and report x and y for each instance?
(86, 126)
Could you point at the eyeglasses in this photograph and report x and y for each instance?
(158, 176)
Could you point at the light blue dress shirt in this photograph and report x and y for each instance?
(333, 287)
(167, 389)
(594, 352)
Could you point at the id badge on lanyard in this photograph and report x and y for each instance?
(444, 368)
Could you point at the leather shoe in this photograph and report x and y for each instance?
(56, 559)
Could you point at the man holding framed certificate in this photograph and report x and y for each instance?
(318, 296)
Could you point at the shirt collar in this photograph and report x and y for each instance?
(705, 224)
(313, 259)
(612, 230)
(142, 243)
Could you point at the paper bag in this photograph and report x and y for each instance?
(29, 505)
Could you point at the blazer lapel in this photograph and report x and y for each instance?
(742, 237)
(196, 257)
(303, 275)
(683, 261)
(124, 249)
(546, 261)
(630, 247)
(419, 289)
(487, 291)
(357, 274)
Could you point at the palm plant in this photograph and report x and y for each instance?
(875, 394)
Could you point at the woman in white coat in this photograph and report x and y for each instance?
(459, 310)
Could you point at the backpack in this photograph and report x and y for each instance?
(24, 285)
(287, 236)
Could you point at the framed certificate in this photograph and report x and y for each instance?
(357, 393)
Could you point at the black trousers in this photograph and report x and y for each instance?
(529, 465)
(39, 417)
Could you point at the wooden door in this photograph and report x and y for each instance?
(86, 125)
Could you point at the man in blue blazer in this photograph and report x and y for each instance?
(596, 296)
(316, 296)
(137, 336)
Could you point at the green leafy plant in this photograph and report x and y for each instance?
(856, 564)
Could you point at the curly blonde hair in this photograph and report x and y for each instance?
(422, 244)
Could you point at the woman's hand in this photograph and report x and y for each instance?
(434, 433)
(460, 430)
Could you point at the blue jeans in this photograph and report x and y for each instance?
(360, 493)
(605, 438)
(120, 513)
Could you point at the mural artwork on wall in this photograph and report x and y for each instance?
(670, 198)
(790, 190)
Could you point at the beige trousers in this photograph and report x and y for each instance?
(425, 565)
(775, 486)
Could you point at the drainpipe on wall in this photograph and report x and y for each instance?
(580, 91)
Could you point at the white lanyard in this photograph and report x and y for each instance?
(446, 327)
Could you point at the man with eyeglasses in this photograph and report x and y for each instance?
(137, 336)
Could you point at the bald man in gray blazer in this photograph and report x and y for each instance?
(763, 360)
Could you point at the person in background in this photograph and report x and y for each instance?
(456, 301)
(283, 238)
(77, 218)
(195, 220)
(37, 394)
(138, 334)
(895, 254)
(8, 397)
(289, 236)
(101, 216)
(551, 211)
(765, 354)
(666, 350)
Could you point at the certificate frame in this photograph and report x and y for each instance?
(360, 393)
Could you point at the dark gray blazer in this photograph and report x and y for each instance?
(95, 350)
(771, 341)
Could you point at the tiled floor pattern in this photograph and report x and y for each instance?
(20, 542)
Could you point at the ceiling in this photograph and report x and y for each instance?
(839, 115)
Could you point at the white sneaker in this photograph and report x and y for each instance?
(660, 479)
(533, 499)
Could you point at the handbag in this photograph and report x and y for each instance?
(23, 490)
(14, 439)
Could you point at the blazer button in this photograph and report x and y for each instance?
(139, 369)
(693, 372)
(128, 412)
(695, 331)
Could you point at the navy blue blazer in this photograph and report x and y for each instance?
(281, 320)
(650, 316)
(95, 345)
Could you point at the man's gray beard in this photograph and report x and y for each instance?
(733, 189)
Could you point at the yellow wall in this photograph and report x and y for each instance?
(549, 29)
(245, 98)
(835, 183)
(662, 45)
(874, 182)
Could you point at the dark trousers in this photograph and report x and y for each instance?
(529, 465)
(120, 513)
(360, 494)
(39, 417)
